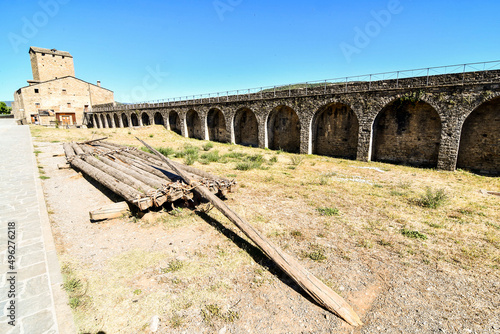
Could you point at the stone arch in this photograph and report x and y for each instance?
(246, 128)
(216, 124)
(175, 122)
(103, 124)
(125, 121)
(158, 119)
(193, 123)
(283, 129)
(134, 120)
(108, 120)
(479, 148)
(335, 131)
(407, 132)
(117, 120)
(145, 119)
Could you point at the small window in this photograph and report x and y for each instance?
(69, 105)
(62, 57)
(53, 55)
(37, 91)
(64, 92)
(43, 54)
(37, 105)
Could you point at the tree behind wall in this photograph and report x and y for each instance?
(4, 109)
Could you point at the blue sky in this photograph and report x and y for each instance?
(145, 50)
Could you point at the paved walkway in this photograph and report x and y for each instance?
(40, 304)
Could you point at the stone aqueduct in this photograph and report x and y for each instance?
(443, 121)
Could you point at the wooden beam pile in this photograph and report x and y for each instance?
(141, 178)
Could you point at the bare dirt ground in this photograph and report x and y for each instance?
(362, 228)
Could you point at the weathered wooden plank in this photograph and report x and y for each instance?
(111, 211)
(312, 285)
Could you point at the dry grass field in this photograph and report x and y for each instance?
(412, 250)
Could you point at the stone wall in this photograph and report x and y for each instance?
(376, 124)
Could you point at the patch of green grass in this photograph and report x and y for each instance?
(207, 158)
(72, 285)
(365, 243)
(166, 151)
(433, 225)
(43, 177)
(74, 302)
(492, 225)
(296, 234)
(173, 266)
(384, 243)
(212, 312)
(151, 135)
(208, 146)
(176, 321)
(328, 211)
(137, 292)
(317, 255)
(273, 159)
(296, 160)
(37, 152)
(432, 198)
(413, 234)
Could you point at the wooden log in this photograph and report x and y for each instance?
(111, 211)
(312, 285)
(130, 194)
(152, 158)
(158, 200)
(141, 176)
(68, 150)
(92, 141)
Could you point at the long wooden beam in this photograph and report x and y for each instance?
(312, 285)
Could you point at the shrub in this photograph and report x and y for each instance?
(166, 151)
(211, 157)
(432, 199)
(208, 146)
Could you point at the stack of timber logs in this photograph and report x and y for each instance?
(139, 177)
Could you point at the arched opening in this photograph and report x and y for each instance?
(175, 122)
(96, 121)
(103, 124)
(117, 120)
(480, 140)
(159, 119)
(125, 121)
(134, 120)
(193, 123)
(216, 126)
(108, 119)
(335, 131)
(283, 130)
(145, 119)
(407, 132)
(246, 128)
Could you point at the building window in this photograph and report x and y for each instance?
(62, 57)
(37, 105)
(64, 92)
(43, 54)
(86, 108)
(37, 91)
(69, 105)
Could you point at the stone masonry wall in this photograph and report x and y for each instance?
(428, 133)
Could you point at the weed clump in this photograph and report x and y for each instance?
(413, 234)
(432, 198)
(328, 211)
(208, 146)
(173, 266)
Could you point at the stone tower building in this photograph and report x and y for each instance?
(55, 96)
(50, 64)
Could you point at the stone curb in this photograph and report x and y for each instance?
(64, 316)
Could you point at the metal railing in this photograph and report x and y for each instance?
(424, 77)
